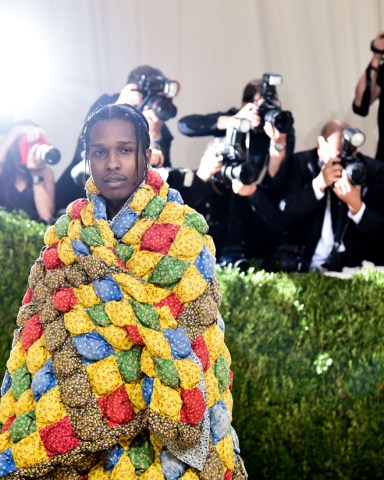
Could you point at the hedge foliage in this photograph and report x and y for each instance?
(308, 362)
(20, 243)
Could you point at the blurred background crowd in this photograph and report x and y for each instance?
(267, 116)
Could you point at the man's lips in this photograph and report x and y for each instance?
(112, 179)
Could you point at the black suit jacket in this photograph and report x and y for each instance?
(303, 214)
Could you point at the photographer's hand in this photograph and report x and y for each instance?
(348, 193)
(210, 164)
(243, 190)
(157, 158)
(155, 124)
(276, 149)
(212, 160)
(32, 133)
(248, 111)
(44, 187)
(329, 174)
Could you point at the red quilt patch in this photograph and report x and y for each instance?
(193, 407)
(32, 331)
(59, 437)
(159, 237)
(116, 407)
(200, 348)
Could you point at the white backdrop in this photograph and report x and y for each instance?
(213, 47)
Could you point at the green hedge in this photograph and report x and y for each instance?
(308, 365)
(308, 361)
(20, 243)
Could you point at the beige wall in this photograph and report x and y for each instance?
(213, 47)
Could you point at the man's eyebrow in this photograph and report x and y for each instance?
(119, 142)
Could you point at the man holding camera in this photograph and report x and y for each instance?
(149, 90)
(333, 207)
(370, 88)
(242, 169)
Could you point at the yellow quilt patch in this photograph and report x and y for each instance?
(86, 295)
(29, 451)
(165, 400)
(77, 322)
(117, 337)
(104, 376)
(49, 408)
(120, 313)
(156, 343)
(17, 358)
(37, 355)
(134, 235)
(187, 245)
(143, 262)
(131, 287)
(191, 285)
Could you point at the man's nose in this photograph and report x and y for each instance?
(113, 161)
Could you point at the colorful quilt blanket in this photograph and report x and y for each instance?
(119, 369)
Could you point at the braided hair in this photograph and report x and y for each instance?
(121, 111)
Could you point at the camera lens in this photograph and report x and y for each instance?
(47, 154)
(163, 108)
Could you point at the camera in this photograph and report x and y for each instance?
(353, 138)
(158, 94)
(45, 152)
(236, 164)
(269, 111)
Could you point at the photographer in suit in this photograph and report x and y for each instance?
(241, 170)
(147, 88)
(333, 207)
(370, 88)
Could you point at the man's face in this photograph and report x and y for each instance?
(112, 155)
(330, 148)
(130, 94)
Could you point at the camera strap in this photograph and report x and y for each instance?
(264, 168)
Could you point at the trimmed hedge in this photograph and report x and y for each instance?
(20, 243)
(308, 362)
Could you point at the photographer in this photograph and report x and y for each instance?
(370, 88)
(242, 210)
(26, 180)
(148, 89)
(333, 207)
(257, 94)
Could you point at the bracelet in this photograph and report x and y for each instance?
(279, 147)
(36, 179)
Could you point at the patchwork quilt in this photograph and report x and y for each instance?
(119, 369)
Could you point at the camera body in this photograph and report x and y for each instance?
(45, 152)
(353, 138)
(269, 111)
(236, 161)
(158, 94)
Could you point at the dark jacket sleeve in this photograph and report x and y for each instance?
(363, 109)
(265, 214)
(372, 221)
(203, 125)
(298, 196)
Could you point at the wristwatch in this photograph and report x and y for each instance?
(36, 179)
(279, 147)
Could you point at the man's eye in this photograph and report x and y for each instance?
(126, 150)
(99, 152)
